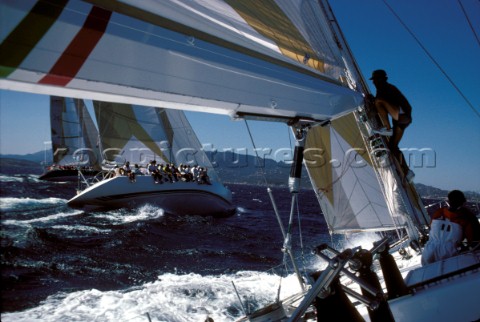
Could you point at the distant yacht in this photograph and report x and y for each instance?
(139, 135)
(74, 140)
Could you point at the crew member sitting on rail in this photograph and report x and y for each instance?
(203, 176)
(128, 171)
(154, 172)
(168, 173)
(449, 227)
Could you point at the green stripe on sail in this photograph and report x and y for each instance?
(20, 42)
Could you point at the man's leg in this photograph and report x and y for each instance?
(395, 150)
(384, 108)
(394, 141)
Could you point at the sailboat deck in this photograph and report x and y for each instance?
(443, 269)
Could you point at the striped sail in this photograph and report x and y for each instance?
(255, 58)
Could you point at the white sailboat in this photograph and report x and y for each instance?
(268, 60)
(139, 135)
(74, 140)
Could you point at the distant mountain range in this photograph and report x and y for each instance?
(231, 167)
(38, 157)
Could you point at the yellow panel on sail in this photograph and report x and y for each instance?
(317, 154)
(118, 124)
(267, 18)
(347, 127)
(346, 184)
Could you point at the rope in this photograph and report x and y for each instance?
(432, 59)
(290, 137)
(285, 235)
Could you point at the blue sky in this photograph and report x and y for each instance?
(443, 121)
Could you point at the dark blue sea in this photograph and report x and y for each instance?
(61, 264)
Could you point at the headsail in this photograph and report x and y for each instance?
(360, 187)
(74, 135)
(255, 58)
(344, 178)
(355, 185)
(139, 134)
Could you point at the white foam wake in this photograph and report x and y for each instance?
(182, 298)
(82, 228)
(20, 178)
(6, 178)
(12, 203)
(48, 218)
(122, 216)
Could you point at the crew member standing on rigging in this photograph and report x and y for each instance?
(390, 101)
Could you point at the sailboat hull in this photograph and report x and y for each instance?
(180, 198)
(65, 174)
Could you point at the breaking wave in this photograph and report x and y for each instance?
(12, 203)
(124, 216)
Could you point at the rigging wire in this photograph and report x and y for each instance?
(256, 152)
(285, 236)
(290, 138)
(469, 22)
(432, 59)
(302, 248)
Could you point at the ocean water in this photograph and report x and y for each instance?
(61, 264)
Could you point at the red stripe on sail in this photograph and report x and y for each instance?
(73, 58)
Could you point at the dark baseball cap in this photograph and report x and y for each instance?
(379, 73)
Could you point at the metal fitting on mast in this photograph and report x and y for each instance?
(299, 129)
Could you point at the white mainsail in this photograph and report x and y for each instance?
(74, 135)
